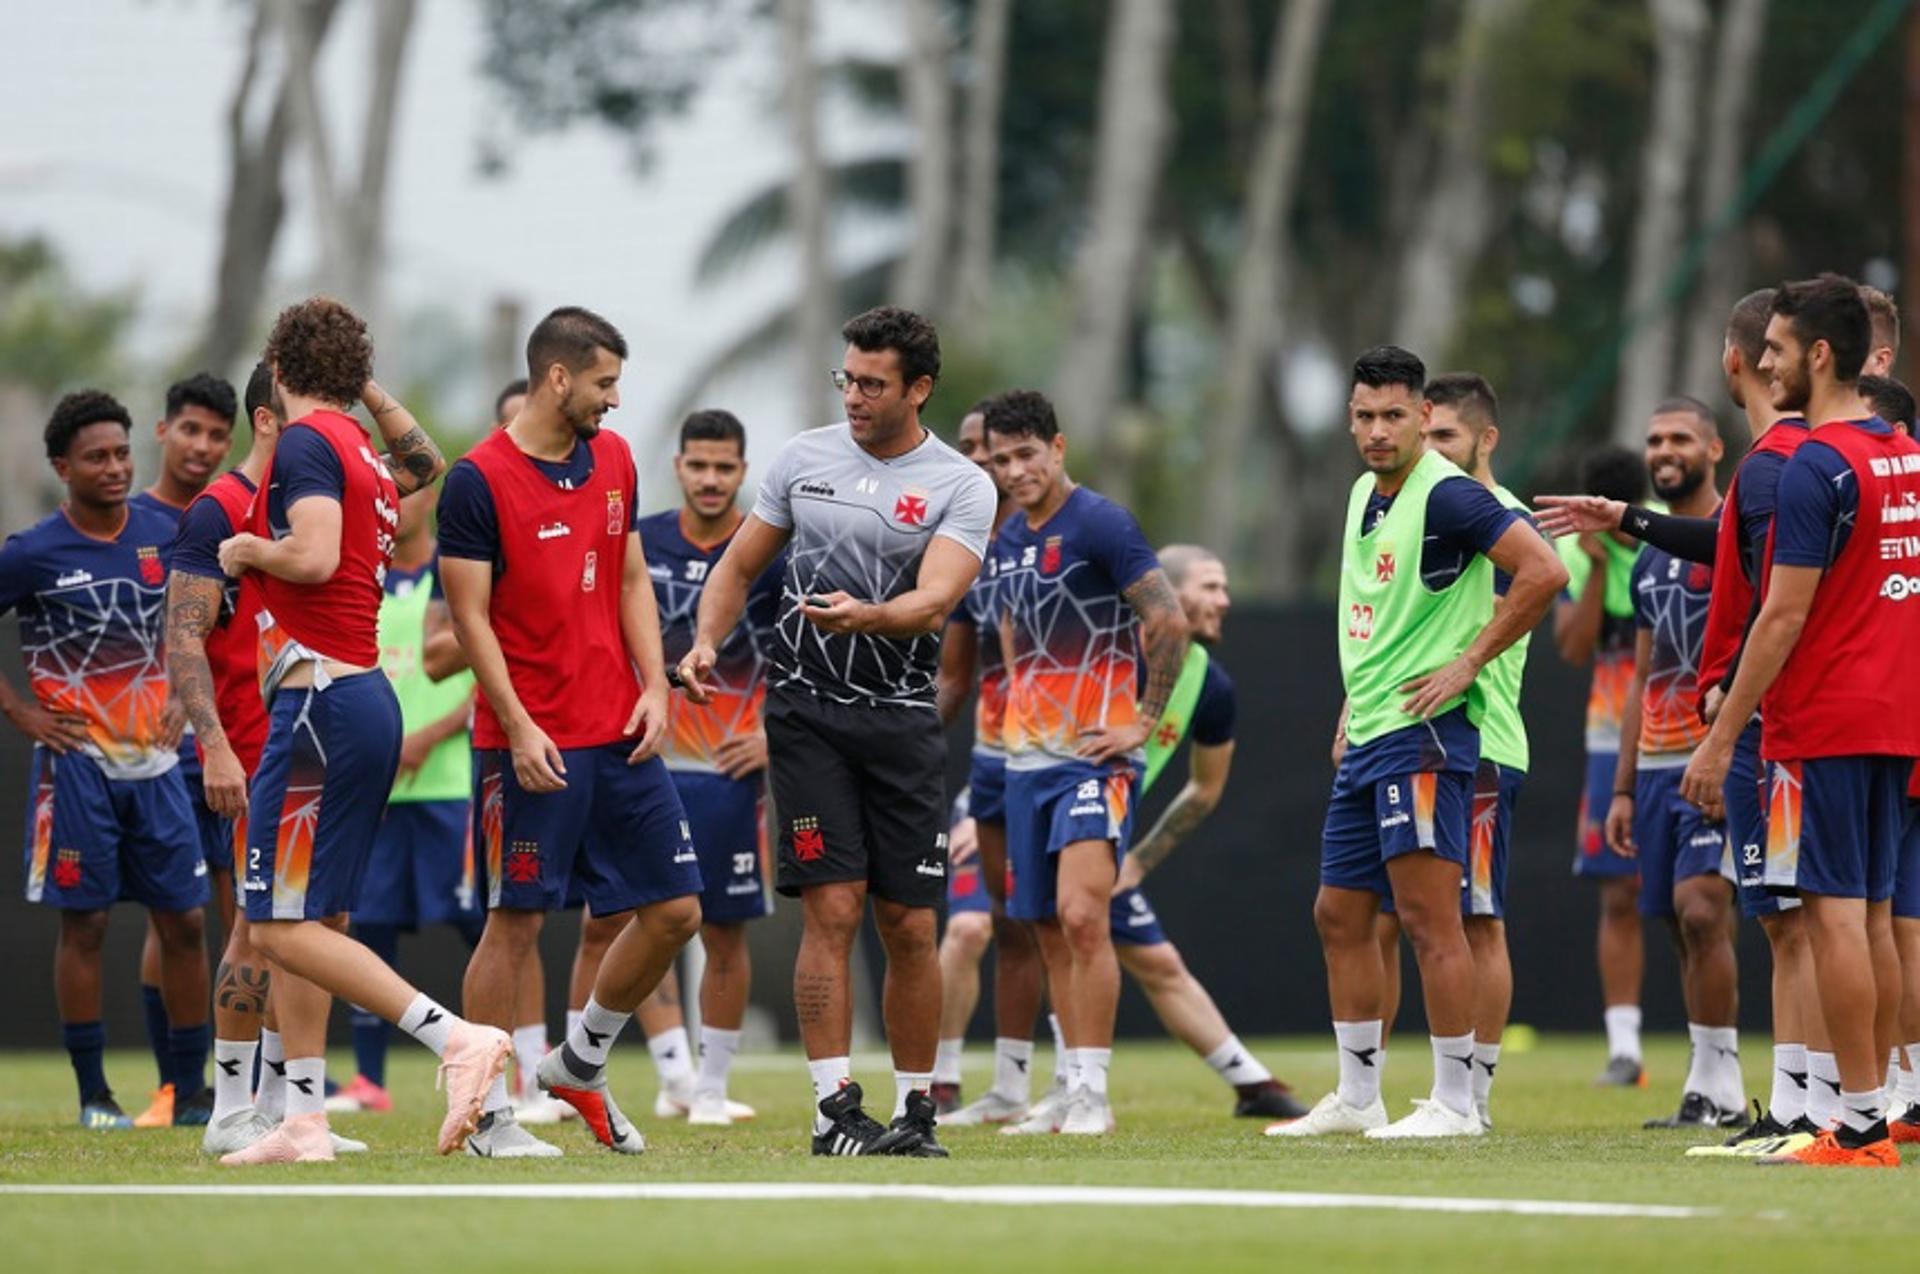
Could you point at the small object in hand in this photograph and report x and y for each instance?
(818, 602)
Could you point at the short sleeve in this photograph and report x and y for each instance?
(1120, 547)
(1643, 617)
(469, 526)
(1463, 514)
(1503, 581)
(968, 518)
(1213, 715)
(305, 464)
(771, 503)
(16, 572)
(196, 545)
(1811, 502)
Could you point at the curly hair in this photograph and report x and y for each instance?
(907, 334)
(319, 349)
(202, 389)
(1022, 413)
(75, 412)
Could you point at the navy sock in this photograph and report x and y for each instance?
(188, 1046)
(86, 1049)
(158, 1030)
(370, 1030)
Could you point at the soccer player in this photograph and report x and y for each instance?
(111, 816)
(1686, 868)
(1418, 626)
(547, 586)
(1075, 576)
(1463, 425)
(321, 538)
(195, 434)
(717, 751)
(885, 526)
(1822, 662)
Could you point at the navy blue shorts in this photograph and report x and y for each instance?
(618, 829)
(1369, 823)
(967, 891)
(987, 788)
(1496, 795)
(1595, 857)
(1676, 841)
(1906, 875)
(421, 871)
(1131, 918)
(317, 798)
(93, 841)
(1746, 798)
(1049, 809)
(729, 833)
(1834, 825)
(216, 831)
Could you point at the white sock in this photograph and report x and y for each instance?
(271, 1100)
(1361, 1061)
(306, 1086)
(232, 1076)
(717, 1048)
(1485, 1058)
(573, 1020)
(1906, 1085)
(1012, 1060)
(529, 1046)
(1699, 1059)
(1788, 1100)
(497, 1097)
(591, 1039)
(905, 1082)
(429, 1023)
(1861, 1111)
(672, 1057)
(1623, 1031)
(1059, 1050)
(1726, 1087)
(830, 1075)
(946, 1061)
(1893, 1071)
(1094, 1065)
(1233, 1063)
(1453, 1072)
(1823, 1089)
(1076, 1076)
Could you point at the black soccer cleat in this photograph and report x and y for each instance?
(1622, 1072)
(1763, 1127)
(911, 1135)
(1696, 1111)
(195, 1111)
(946, 1098)
(851, 1130)
(1269, 1099)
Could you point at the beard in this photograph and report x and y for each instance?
(1689, 481)
(580, 416)
(1796, 388)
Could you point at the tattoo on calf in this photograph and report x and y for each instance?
(813, 996)
(242, 988)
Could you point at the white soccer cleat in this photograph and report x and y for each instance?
(346, 1145)
(1331, 1117)
(500, 1136)
(709, 1110)
(341, 1104)
(673, 1101)
(1043, 1117)
(1430, 1119)
(990, 1109)
(538, 1108)
(236, 1130)
(1088, 1115)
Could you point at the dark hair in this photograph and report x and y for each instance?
(1747, 326)
(513, 388)
(903, 332)
(1829, 309)
(1892, 401)
(319, 349)
(259, 389)
(75, 412)
(1614, 472)
(571, 336)
(1884, 317)
(1469, 395)
(1385, 365)
(1687, 404)
(201, 390)
(1021, 413)
(713, 425)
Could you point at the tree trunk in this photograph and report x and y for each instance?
(1736, 64)
(367, 218)
(1455, 222)
(1136, 118)
(816, 302)
(1254, 316)
(921, 280)
(980, 190)
(310, 126)
(1648, 363)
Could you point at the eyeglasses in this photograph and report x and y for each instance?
(870, 386)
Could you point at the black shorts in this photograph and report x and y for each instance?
(861, 795)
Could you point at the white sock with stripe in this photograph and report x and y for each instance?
(830, 1075)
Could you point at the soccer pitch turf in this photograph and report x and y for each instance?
(1560, 1140)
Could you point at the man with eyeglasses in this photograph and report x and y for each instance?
(885, 527)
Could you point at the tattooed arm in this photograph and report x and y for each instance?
(1163, 633)
(193, 604)
(412, 458)
(1205, 784)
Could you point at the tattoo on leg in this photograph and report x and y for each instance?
(241, 989)
(813, 996)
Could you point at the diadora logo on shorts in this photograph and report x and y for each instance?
(808, 842)
(553, 531)
(1898, 588)
(929, 867)
(522, 863)
(685, 853)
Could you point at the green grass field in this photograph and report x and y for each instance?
(1558, 1139)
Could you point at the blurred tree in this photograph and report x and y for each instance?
(980, 154)
(924, 280)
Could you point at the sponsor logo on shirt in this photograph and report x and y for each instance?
(72, 578)
(553, 531)
(816, 488)
(1898, 588)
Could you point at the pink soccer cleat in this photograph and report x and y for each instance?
(475, 1057)
(299, 1139)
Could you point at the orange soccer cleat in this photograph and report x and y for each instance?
(1827, 1152)
(159, 1111)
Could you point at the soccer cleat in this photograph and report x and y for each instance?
(603, 1117)
(1089, 1114)
(1622, 1072)
(674, 1100)
(1269, 1099)
(235, 1130)
(1697, 1111)
(1331, 1117)
(500, 1136)
(345, 1145)
(101, 1113)
(911, 1135)
(159, 1111)
(476, 1055)
(1905, 1127)
(990, 1109)
(1045, 1114)
(709, 1110)
(1429, 1119)
(1759, 1137)
(946, 1098)
(299, 1139)
(362, 1095)
(538, 1108)
(850, 1130)
(194, 1111)
(1825, 1151)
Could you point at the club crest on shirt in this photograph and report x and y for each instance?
(616, 512)
(152, 571)
(1050, 556)
(911, 507)
(1384, 566)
